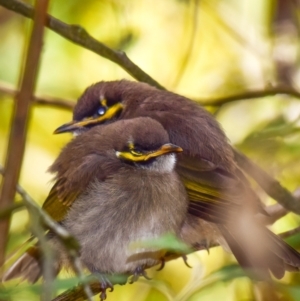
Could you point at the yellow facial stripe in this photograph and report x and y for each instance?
(134, 156)
(110, 113)
(103, 102)
(129, 156)
(131, 145)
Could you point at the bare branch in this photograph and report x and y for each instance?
(275, 212)
(187, 53)
(80, 36)
(212, 102)
(290, 233)
(18, 132)
(76, 294)
(69, 242)
(44, 100)
(246, 95)
(271, 186)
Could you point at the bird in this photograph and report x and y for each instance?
(114, 186)
(223, 208)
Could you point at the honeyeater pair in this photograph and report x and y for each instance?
(145, 163)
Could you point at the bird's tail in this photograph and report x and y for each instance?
(27, 267)
(259, 251)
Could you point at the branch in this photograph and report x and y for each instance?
(275, 212)
(271, 186)
(44, 101)
(18, 132)
(277, 90)
(4, 213)
(191, 42)
(77, 294)
(70, 243)
(209, 102)
(80, 36)
(289, 233)
(17, 138)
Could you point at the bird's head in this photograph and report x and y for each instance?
(99, 104)
(144, 143)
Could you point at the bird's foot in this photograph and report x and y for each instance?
(204, 245)
(184, 257)
(105, 284)
(162, 264)
(139, 271)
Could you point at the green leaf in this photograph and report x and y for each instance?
(166, 242)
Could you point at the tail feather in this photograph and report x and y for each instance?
(262, 254)
(28, 267)
(255, 264)
(290, 256)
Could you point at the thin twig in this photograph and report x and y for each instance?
(12, 208)
(77, 294)
(289, 233)
(69, 104)
(18, 134)
(231, 29)
(271, 186)
(275, 212)
(187, 54)
(70, 243)
(270, 91)
(65, 237)
(48, 255)
(38, 100)
(80, 36)
(17, 139)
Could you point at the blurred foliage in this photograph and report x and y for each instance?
(201, 49)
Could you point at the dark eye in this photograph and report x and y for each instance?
(101, 111)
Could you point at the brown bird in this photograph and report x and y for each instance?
(115, 185)
(222, 206)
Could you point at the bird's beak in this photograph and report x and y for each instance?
(75, 125)
(164, 149)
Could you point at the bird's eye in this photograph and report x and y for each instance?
(136, 152)
(101, 111)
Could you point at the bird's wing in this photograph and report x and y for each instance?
(54, 205)
(68, 187)
(215, 192)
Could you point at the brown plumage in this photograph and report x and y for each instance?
(222, 205)
(114, 185)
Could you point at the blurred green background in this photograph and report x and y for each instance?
(204, 50)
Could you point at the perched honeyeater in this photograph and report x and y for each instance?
(222, 206)
(114, 185)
